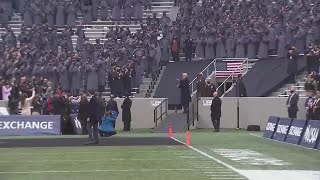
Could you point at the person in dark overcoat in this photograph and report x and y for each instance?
(37, 13)
(95, 6)
(93, 120)
(138, 10)
(27, 15)
(87, 13)
(71, 14)
(184, 92)
(200, 84)
(83, 113)
(282, 45)
(165, 47)
(188, 48)
(68, 33)
(241, 90)
(50, 10)
(292, 69)
(292, 104)
(60, 15)
(64, 77)
(112, 105)
(76, 81)
(116, 11)
(104, 7)
(263, 46)
(101, 75)
(81, 35)
(126, 113)
(92, 79)
(216, 111)
(128, 11)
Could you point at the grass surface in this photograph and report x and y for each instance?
(149, 162)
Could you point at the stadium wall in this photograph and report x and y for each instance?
(142, 112)
(253, 111)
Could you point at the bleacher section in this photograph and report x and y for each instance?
(261, 81)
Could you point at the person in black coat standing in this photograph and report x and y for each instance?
(293, 55)
(216, 111)
(93, 119)
(292, 104)
(188, 49)
(83, 113)
(241, 89)
(184, 92)
(126, 113)
(112, 106)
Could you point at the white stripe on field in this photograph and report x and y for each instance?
(89, 152)
(226, 172)
(227, 178)
(86, 160)
(208, 156)
(92, 171)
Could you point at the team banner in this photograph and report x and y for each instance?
(282, 129)
(295, 132)
(76, 124)
(271, 126)
(29, 125)
(311, 134)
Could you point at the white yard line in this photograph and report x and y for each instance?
(282, 142)
(86, 160)
(93, 171)
(208, 156)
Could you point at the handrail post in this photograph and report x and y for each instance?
(161, 111)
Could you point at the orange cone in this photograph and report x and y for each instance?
(188, 138)
(170, 131)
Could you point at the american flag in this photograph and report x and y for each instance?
(225, 68)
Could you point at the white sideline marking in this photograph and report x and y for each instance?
(86, 160)
(208, 156)
(89, 152)
(226, 172)
(92, 171)
(281, 142)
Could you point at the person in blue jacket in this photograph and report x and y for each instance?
(106, 128)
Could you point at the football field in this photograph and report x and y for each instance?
(222, 156)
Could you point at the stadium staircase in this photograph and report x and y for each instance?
(178, 121)
(284, 91)
(98, 30)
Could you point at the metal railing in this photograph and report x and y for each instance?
(207, 71)
(244, 68)
(162, 111)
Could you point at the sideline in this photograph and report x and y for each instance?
(210, 157)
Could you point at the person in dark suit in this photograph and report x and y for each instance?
(201, 85)
(309, 105)
(185, 92)
(216, 111)
(316, 107)
(240, 87)
(126, 113)
(292, 104)
(93, 119)
(112, 106)
(83, 112)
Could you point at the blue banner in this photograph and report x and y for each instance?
(271, 127)
(29, 125)
(282, 129)
(76, 124)
(295, 131)
(311, 134)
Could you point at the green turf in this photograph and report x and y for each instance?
(146, 162)
(300, 158)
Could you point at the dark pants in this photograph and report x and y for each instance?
(114, 124)
(175, 56)
(185, 107)
(101, 88)
(309, 115)
(93, 131)
(126, 125)
(216, 123)
(188, 56)
(292, 113)
(84, 126)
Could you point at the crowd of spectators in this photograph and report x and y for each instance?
(246, 28)
(40, 67)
